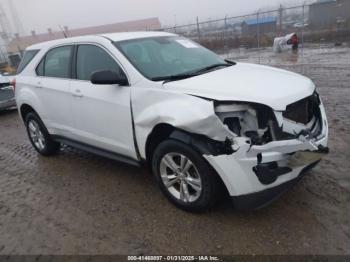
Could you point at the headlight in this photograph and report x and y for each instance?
(239, 118)
(246, 120)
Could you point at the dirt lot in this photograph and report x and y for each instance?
(77, 203)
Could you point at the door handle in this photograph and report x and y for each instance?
(78, 95)
(38, 85)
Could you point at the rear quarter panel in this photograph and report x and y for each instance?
(26, 94)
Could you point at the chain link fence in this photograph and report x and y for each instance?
(235, 37)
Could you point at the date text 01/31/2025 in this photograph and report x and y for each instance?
(173, 258)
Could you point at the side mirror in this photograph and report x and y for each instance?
(108, 77)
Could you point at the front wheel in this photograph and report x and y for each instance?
(185, 178)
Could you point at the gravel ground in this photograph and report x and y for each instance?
(78, 203)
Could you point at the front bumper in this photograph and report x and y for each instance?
(255, 175)
(263, 198)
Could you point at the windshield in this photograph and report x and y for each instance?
(160, 57)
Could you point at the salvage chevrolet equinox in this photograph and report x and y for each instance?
(203, 124)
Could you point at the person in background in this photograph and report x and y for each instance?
(295, 42)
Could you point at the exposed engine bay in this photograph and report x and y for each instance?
(262, 125)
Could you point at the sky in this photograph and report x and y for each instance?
(39, 15)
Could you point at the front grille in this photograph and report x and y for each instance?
(304, 110)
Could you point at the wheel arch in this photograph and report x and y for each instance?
(25, 109)
(200, 143)
(159, 133)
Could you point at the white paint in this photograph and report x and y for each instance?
(270, 86)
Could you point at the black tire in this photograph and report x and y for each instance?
(50, 147)
(210, 183)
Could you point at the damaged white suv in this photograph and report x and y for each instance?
(202, 123)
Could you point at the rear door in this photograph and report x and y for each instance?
(53, 88)
(102, 113)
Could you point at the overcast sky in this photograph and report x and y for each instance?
(39, 15)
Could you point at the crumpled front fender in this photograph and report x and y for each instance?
(153, 106)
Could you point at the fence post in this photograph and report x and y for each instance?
(225, 36)
(280, 11)
(198, 31)
(302, 36)
(3, 57)
(175, 24)
(258, 33)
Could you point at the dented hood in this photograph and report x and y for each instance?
(270, 86)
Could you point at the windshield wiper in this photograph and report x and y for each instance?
(208, 68)
(170, 78)
(174, 77)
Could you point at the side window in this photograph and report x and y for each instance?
(27, 58)
(91, 58)
(40, 68)
(56, 63)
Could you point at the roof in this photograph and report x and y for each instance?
(134, 35)
(21, 42)
(262, 20)
(115, 37)
(324, 1)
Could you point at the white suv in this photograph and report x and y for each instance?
(205, 125)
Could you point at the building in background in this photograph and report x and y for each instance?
(266, 25)
(20, 43)
(326, 14)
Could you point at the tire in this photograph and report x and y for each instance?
(201, 181)
(39, 136)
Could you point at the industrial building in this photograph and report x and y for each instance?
(328, 14)
(19, 43)
(264, 25)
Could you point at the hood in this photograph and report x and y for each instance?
(270, 86)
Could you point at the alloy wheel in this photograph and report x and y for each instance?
(180, 177)
(36, 135)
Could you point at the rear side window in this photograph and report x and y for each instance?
(27, 58)
(56, 63)
(91, 58)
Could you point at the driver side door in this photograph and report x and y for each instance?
(102, 113)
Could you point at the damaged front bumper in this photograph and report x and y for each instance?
(257, 174)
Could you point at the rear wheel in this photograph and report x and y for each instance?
(185, 178)
(39, 136)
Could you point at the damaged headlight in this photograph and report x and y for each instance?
(244, 120)
(262, 125)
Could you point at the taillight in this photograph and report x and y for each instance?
(13, 84)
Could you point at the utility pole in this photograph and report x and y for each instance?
(225, 35)
(18, 26)
(5, 25)
(5, 33)
(258, 33)
(175, 23)
(198, 30)
(280, 11)
(302, 37)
